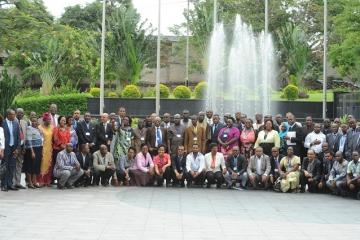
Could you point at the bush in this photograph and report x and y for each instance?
(112, 94)
(149, 93)
(66, 103)
(291, 92)
(95, 92)
(200, 90)
(182, 92)
(10, 86)
(28, 92)
(131, 91)
(64, 89)
(164, 91)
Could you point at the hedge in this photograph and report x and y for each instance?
(66, 103)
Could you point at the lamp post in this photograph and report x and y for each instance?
(325, 61)
(157, 102)
(102, 59)
(187, 45)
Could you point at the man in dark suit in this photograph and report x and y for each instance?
(103, 132)
(294, 137)
(85, 160)
(333, 137)
(353, 146)
(214, 129)
(12, 149)
(178, 164)
(156, 136)
(274, 162)
(236, 166)
(342, 142)
(310, 172)
(86, 131)
(119, 118)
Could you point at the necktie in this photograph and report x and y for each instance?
(158, 136)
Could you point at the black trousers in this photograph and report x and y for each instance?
(312, 186)
(213, 178)
(199, 180)
(84, 180)
(178, 181)
(166, 176)
(104, 176)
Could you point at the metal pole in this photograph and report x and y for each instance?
(215, 13)
(187, 45)
(325, 61)
(266, 17)
(157, 103)
(102, 70)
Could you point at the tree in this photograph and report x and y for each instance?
(10, 86)
(345, 51)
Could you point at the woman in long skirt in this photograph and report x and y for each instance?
(33, 153)
(44, 178)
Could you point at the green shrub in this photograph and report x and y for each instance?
(291, 92)
(66, 103)
(64, 89)
(131, 91)
(164, 91)
(95, 92)
(200, 90)
(112, 94)
(182, 92)
(149, 93)
(10, 86)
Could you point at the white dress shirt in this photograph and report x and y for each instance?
(219, 162)
(2, 139)
(311, 137)
(258, 165)
(195, 164)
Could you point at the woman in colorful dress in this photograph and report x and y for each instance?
(228, 137)
(124, 138)
(61, 137)
(268, 138)
(247, 140)
(45, 176)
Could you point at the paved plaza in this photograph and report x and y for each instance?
(160, 213)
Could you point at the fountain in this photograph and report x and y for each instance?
(240, 76)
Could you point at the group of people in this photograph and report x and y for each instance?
(199, 150)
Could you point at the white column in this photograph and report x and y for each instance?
(325, 61)
(187, 45)
(102, 67)
(157, 102)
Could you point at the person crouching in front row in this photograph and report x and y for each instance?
(162, 163)
(215, 167)
(142, 172)
(104, 166)
(259, 169)
(195, 167)
(67, 168)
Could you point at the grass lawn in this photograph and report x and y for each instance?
(314, 96)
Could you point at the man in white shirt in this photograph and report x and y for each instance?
(259, 169)
(195, 167)
(315, 139)
(53, 114)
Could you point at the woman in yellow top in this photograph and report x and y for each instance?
(268, 138)
(289, 171)
(44, 178)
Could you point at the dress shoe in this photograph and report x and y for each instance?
(13, 189)
(4, 189)
(20, 187)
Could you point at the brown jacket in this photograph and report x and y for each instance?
(150, 139)
(191, 137)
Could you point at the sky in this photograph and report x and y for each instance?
(171, 13)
